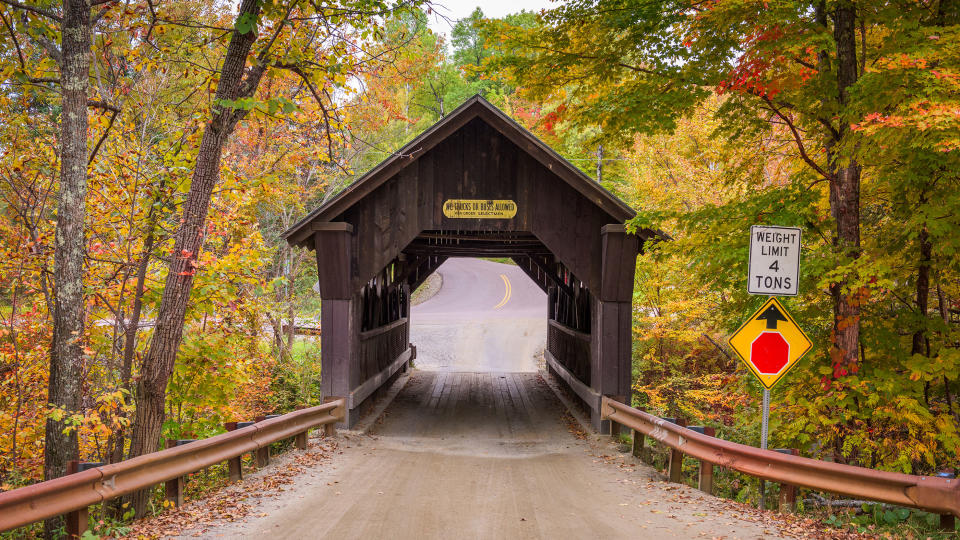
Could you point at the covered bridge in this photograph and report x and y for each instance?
(475, 184)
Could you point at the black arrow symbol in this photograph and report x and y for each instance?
(771, 315)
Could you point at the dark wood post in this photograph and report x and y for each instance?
(705, 480)
(234, 465)
(675, 466)
(330, 430)
(948, 522)
(173, 489)
(76, 521)
(262, 455)
(301, 441)
(788, 492)
(339, 311)
(615, 428)
(640, 446)
(611, 317)
(551, 302)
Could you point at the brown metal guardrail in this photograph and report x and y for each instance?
(933, 494)
(75, 492)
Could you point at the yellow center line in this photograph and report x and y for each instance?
(507, 292)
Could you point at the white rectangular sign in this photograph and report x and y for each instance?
(774, 260)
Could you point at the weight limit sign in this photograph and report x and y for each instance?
(774, 260)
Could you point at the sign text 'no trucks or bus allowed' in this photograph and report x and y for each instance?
(774, 260)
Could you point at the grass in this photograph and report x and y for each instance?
(501, 260)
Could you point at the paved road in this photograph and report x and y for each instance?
(487, 316)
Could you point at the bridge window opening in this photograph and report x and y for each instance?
(479, 315)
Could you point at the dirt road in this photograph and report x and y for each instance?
(486, 455)
(476, 445)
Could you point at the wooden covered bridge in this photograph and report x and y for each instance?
(476, 184)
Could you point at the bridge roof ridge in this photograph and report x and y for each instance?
(475, 107)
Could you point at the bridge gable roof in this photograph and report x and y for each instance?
(475, 107)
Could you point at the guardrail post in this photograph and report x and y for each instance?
(948, 522)
(262, 455)
(301, 441)
(675, 467)
(639, 446)
(615, 428)
(234, 465)
(788, 492)
(705, 477)
(173, 489)
(76, 521)
(330, 430)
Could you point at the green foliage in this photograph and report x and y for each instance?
(730, 115)
(296, 380)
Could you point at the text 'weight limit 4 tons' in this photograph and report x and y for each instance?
(774, 267)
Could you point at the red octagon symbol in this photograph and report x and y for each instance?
(769, 353)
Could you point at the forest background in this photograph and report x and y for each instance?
(706, 117)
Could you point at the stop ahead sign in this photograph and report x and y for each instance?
(770, 343)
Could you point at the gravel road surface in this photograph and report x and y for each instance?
(476, 445)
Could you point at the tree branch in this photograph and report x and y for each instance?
(50, 47)
(799, 140)
(103, 105)
(33, 9)
(103, 137)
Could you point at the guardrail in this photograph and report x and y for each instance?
(933, 494)
(72, 494)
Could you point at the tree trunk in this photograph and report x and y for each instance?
(188, 241)
(66, 350)
(845, 197)
(923, 293)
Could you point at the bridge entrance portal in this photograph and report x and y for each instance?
(476, 184)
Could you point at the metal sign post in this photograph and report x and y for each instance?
(765, 422)
(768, 348)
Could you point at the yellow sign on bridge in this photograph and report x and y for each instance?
(479, 209)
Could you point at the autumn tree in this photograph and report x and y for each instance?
(71, 61)
(322, 45)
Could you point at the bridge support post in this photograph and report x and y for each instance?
(339, 309)
(611, 318)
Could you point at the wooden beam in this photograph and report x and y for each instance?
(481, 237)
(553, 277)
(362, 392)
(589, 396)
(522, 263)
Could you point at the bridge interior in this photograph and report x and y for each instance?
(384, 235)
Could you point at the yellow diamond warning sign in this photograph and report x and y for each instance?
(770, 343)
